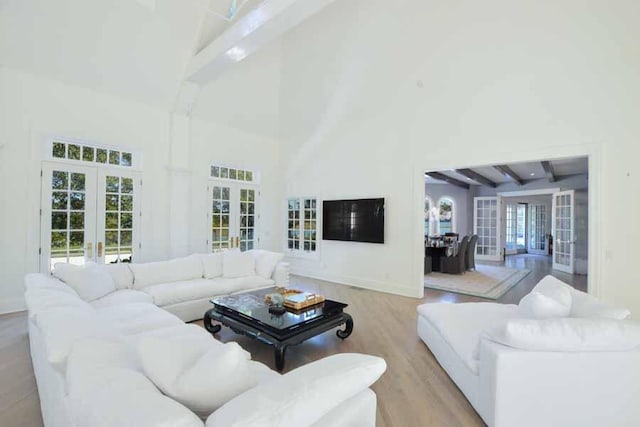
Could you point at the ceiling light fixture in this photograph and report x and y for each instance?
(532, 174)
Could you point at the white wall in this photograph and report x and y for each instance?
(214, 143)
(32, 108)
(456, 84)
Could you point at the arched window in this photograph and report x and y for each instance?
(447, 223)
(428, 203)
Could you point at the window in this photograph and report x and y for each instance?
(446, 215)
(82, 152)
(302, 224)
(427, 210)
(231, 173)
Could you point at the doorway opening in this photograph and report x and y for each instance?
(514, 212)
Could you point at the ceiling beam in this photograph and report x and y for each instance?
(548, 170)
(442, 177)
(257, 28)
(475, 176)
(507, 171)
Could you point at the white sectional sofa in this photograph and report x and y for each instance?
(182, 286)
(560, 358)
(120, 363)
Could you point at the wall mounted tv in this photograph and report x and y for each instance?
(360, 220)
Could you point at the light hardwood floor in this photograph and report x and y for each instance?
(414, 391)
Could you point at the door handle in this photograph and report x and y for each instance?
(231, 242)
(89, 250)
(99, 249)
(237, 242)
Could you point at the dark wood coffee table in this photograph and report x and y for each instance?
(248, 314)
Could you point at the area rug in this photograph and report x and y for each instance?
(487, 281)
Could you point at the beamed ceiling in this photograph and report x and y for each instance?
(518, 173)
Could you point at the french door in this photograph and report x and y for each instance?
(486, 224)
(538, 229)
(233, 216)
(563, 231)
(510, 229)
(88, 214)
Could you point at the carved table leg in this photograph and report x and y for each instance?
(280, 350)
(348, 327)
(214, 329)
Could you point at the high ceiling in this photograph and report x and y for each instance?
(220, 15)
(525, 171)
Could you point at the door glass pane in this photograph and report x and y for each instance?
(67, 217)
(562, 243)
(119, 219)
(247, 219)
(220, 216)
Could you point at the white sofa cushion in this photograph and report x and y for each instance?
(202, 379)
(265, 261)
(36, 281)
(126, 398)
(89, 355)
(567, 334)
(122, 296)
(212, 264)
(174, 270)
(242, 284)
(90, 282)
(461, 325)
(302, 396)
(164, 294)
(38, 300)
(535, 305)
(63, 326)
(133, 318)
(237, 264)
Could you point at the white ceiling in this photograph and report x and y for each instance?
(135, 49)
(526, 171)
(214, 24)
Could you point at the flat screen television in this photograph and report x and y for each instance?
(360, 220)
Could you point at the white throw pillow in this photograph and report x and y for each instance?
(212, 264)
(568, 334)
(90, 282)
(553, 288)
(538, 306)
(237, 264)
(202, 379)
(585, 305)
(266, 261)
(120, 273)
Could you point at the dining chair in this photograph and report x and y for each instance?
(456, 264)
(470, 263)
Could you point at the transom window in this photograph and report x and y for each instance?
(233, 174)
(82, 152)
(302, 224)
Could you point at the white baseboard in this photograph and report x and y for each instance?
(12, 305)
(374, 285)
